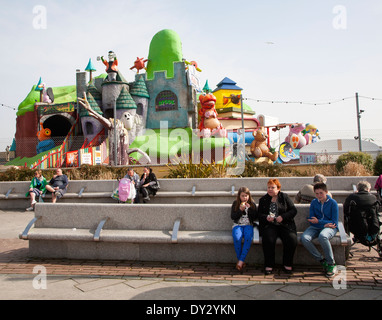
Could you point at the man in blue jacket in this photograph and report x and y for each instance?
(323, 219)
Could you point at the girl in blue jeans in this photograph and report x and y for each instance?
(243, 214)
(323, 219)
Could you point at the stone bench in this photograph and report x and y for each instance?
(148, 232)
(178, 191)
(12, 194)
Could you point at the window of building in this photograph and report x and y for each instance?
(140, 109)
(165, 101)
(89, 128)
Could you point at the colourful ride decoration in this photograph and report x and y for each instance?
(209, 123)
(295, 137)
(139, 64)
(46, 142)
(259, 147)
(311, 133)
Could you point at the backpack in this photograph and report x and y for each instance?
(363, 222)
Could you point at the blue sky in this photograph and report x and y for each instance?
(295, 50)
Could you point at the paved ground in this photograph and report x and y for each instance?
(22, 277)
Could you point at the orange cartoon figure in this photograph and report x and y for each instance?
(139, 64)
(209, 123)
(46, 141)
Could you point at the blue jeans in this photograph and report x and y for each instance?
(324, 237)
(238, 233)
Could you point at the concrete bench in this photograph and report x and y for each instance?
(148, 232)
(179, 191)
(12, 194)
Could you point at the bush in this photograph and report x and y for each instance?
(378, 165)
(359, 157)
(354, 169)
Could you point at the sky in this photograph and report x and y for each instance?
(276, 50)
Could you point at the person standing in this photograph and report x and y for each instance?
(276, 217)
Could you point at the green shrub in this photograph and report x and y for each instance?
(378, 165)
(358, 157)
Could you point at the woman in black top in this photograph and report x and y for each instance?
(276, 217)
(149, 183)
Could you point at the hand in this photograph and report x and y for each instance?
(270, 219)
(330, 225)
(243, 205)
(146, 185)
(279, 219)
(313, 220)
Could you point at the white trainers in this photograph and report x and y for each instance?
(34, 202)
(29, 209)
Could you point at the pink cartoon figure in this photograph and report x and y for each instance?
(295, 137)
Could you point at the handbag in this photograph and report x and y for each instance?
(156, 186)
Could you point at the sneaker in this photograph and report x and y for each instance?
(29, 209)
(57, 193)
(331, 270)
(324, 264)
(34, 202)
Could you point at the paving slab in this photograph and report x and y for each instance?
(138, 280)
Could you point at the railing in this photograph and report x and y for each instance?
(55, 159)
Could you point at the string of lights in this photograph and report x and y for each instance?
(5, 106)
(310, 103)
(279, 101)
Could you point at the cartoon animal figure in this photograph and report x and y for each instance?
(259, 147)
(311, 133)
(295, 137)
(193, 63)
(139, 64)
(46, 142)
(47, 94)
(209, 123)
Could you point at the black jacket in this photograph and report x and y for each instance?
(286, 209)
(362, 199)
(359, 205)
(151, 179)
(236, 214)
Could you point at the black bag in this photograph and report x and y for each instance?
(364, 223)
(156, 186)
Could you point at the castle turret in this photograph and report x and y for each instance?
(90, 126)
(141, 97)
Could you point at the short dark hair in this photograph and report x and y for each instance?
(320, 185)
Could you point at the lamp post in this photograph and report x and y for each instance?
(359, 122)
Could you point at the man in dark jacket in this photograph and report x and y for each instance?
(361, 213)
(58, 185)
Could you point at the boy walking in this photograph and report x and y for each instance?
(323, 219)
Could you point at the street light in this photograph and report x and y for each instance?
(359, 122)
